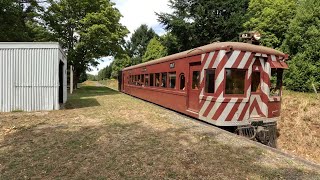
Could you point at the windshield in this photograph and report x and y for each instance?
(276, 82)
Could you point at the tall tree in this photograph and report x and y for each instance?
(154, 50)
(171, 44)
(271, 18)
(119, 62)
(303, 44)
(198, 22)
(139, 40)
(87, 29)
(16, 17)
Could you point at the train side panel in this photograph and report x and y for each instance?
(221, 107)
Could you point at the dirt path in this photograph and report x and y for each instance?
(104, 134)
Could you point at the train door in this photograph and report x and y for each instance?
(257, 106)
(194, 87)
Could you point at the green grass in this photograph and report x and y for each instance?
(103, 134)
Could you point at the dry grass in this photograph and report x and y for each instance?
(300, 125)
(111, 83)
(107, 135)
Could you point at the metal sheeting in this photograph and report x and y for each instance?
(29, 79)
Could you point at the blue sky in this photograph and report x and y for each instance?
(135, 13)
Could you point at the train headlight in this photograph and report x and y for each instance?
(257, 36)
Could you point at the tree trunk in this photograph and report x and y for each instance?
(75, 79)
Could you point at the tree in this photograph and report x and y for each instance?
(139, 40)
(303, 43)
(154, 50)
(87, 29)
(19, 21)
(119, 62)
(199, 22)
(171, 44)
(271, 18)
(105, 73)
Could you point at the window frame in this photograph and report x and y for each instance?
(205, 82)
(168, 83)
(281, 84)
(245, 83)
(153, 85)
(146, 76)
(184, 88)
(166, 80)
(260, 91)
(155, 80)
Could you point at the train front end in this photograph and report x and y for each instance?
(247, 90)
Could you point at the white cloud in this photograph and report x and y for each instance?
(137, 12)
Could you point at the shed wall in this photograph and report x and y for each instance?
(29, 79)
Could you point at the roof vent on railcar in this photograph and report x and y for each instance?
(251, 37)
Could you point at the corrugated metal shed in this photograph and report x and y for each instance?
(30, 76)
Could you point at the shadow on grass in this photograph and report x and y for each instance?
(132, 151)
(85, 96)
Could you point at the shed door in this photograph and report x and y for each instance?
(194, 87)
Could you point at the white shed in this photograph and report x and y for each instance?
(33, 76)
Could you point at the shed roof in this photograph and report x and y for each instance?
(29, 45)
(212, 47)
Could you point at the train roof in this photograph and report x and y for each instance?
(212, 47)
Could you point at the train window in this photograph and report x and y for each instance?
(151, 79)
(163, 79)
(157, 79)
(147, 80)
(255, 82)
(182, 81)
(142, 78)
(195, 79)
(235, 81)
(172, 80)
(276, 82)
(209, 88)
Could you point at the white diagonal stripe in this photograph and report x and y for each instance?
(219, 58)
(244, 60)
(262, 63)
(202, 56)
(227, 110)
(239, 111)
(215, 107)
(206, 65)
(205, 105)
(232, 59)
(273, 58)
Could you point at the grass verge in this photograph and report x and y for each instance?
(104, 134)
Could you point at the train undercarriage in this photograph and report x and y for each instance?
(265, 133)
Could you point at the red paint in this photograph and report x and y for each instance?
(231, 109)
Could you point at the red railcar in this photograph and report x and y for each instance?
(226, 84)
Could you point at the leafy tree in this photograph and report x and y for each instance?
(198, 22)
(171, 44)
(271, 18)
(139, 40)
(87, 29)
(18, 20)
(83, 77)
(119, 62)
(91, 77)
(105, 73)
(154, 50)
(303, 43)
